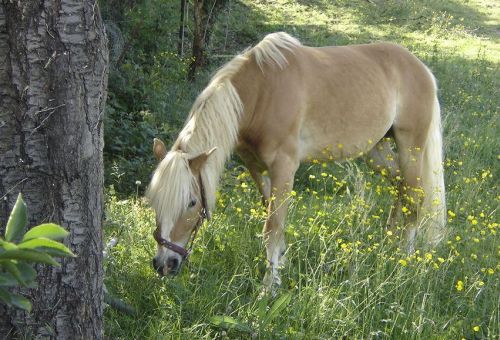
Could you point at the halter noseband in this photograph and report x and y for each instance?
(204, 215)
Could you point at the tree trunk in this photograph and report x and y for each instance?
(53, 79)
(204, 14)
(180, 47)
(198, 54)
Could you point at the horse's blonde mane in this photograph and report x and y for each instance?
(271, 47)
(212, 122)
(170, 188)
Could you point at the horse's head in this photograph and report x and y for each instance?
(176, 193)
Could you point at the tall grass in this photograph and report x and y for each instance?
(345, 273)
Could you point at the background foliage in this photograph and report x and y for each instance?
(344, 275)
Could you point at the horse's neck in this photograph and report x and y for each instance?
(220, 126)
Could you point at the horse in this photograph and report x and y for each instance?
(281, 103)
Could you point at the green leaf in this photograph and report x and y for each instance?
(29, 256)
(277, 307)
(48, 230)
(5, 296)
(17, 220)
(17, 274)
(45, 243)
(7, 245)
(261, 311)
(14, 271)
(228, 322)
(27, 272)
(21, 302)
(7, 280)
(54, 252)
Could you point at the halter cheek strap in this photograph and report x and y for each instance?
(204, 215)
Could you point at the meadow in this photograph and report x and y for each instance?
(345, 276)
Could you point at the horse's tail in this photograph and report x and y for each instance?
(434, 204)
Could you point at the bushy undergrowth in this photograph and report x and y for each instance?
(345, 273)
(148, 93)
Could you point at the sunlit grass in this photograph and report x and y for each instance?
(344, 269)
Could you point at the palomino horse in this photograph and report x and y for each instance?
(280, 103)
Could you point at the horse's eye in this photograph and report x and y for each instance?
(192, 203)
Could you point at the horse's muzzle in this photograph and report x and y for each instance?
(170, 268)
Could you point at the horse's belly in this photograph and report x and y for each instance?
(325, 142)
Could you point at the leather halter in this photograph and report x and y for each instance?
(204, 215)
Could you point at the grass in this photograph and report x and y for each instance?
(344, 273)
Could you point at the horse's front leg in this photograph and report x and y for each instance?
(282, 174)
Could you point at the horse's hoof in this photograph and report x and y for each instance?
(272, 283)
(269, 291)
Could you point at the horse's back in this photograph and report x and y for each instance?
(349, 65)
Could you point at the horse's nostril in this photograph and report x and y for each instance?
(172, 264)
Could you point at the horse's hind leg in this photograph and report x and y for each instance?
(385, 161)
(410, 146)
(382, 159)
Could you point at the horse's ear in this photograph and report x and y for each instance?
(197, 162)
(159, 149)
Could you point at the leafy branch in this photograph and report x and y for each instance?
(19, 252)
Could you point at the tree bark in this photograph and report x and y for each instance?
(198, 54)
(204, 14)
(53, 80)
(180, 46)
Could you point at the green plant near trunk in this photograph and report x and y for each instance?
(263, 316)
(18, 253)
